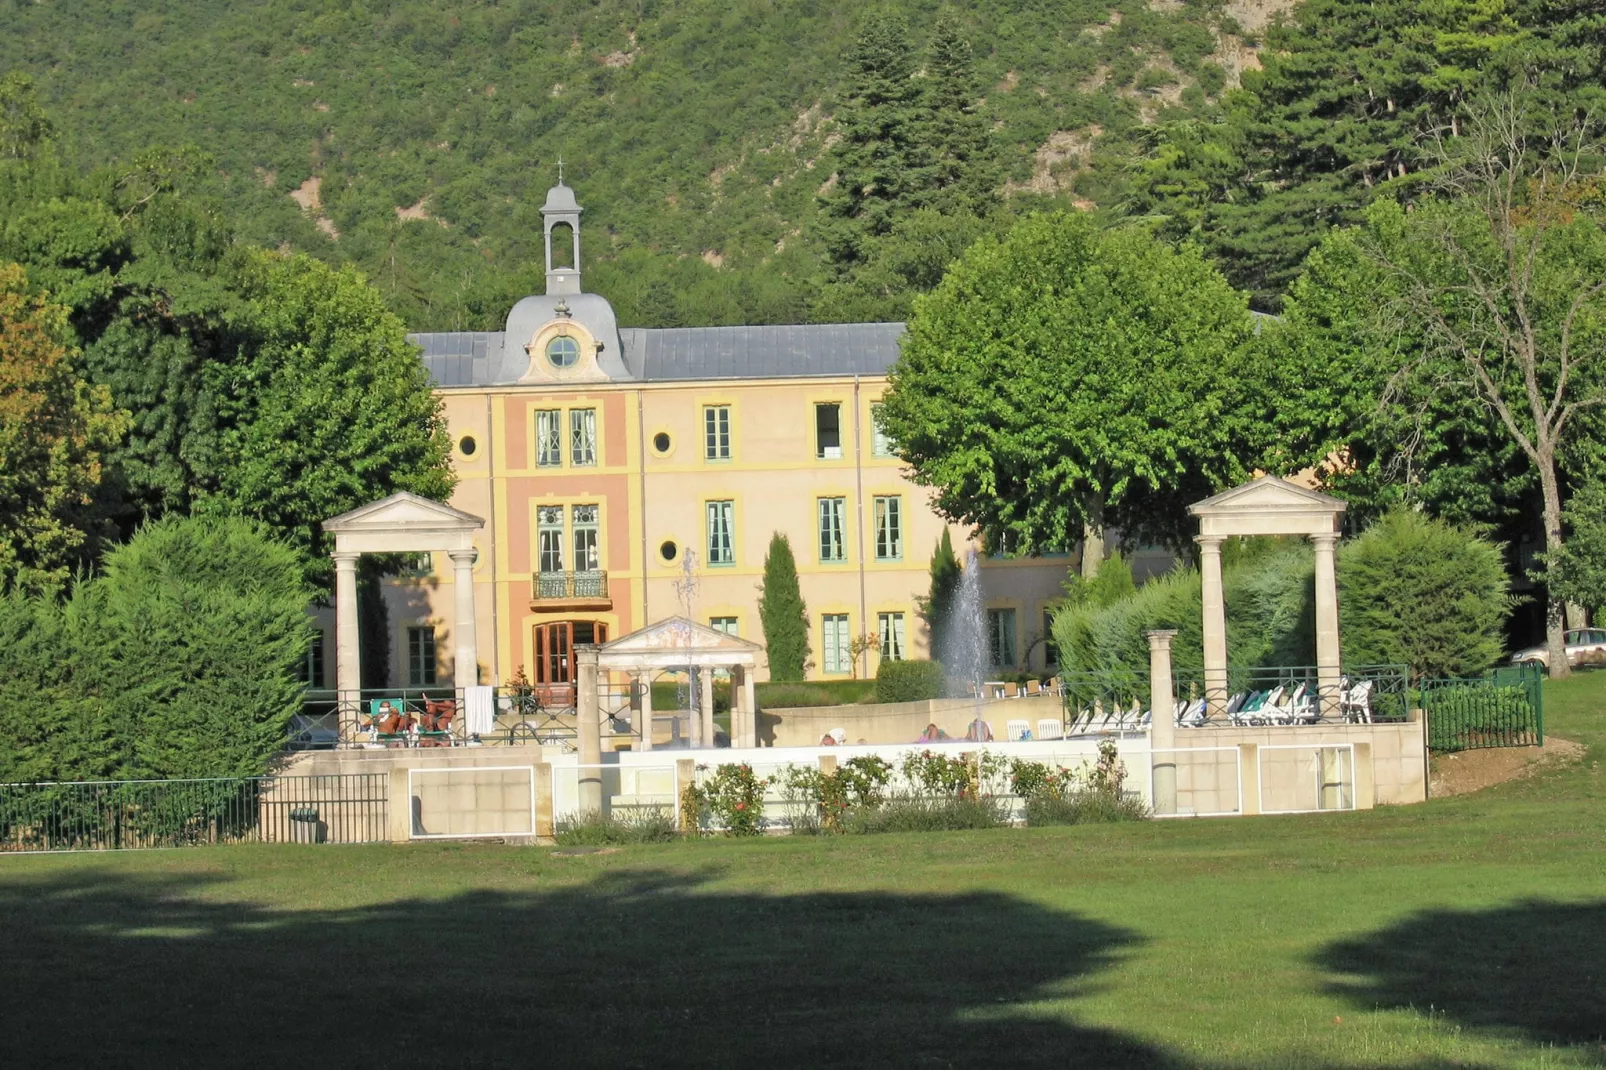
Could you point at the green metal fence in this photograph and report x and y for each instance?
(134, 814)
(1504, 708)
(1293, 694)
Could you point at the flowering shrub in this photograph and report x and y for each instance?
(864, 779)
(963, 776)
(936, 774)
(1035, 780)
(820, 802)
(734, 797)
(1109, 773)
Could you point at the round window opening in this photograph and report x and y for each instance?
(562, 351)
(466, 445)
(668, 550)
(660, 442)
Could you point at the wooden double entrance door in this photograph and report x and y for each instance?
(554, 657)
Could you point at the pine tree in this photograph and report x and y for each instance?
(945, 577)
(963, 167)
(782, 613)
(878, 160)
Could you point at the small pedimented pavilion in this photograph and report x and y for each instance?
(1270, 506)
(678, 643)
(401, 523)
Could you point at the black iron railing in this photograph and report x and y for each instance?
(132, 814)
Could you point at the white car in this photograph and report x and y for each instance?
(1585, 646)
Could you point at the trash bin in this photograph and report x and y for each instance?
(305, 826)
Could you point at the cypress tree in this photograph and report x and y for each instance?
(945, 576)
(782, 613)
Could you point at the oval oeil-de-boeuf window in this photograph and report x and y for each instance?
(562, 351)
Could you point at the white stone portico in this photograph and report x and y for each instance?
(675, 643)
(401, 523)
(1269, 506)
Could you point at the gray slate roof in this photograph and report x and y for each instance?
(460, 358)
(471, 358)
(761, 352)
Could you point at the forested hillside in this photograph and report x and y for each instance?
(416, 138)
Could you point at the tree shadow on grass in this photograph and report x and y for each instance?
(1536, 969)
(633, 969)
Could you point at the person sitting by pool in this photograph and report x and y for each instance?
(932, 734)
(390, 720)
(828, 740)
(979, 732)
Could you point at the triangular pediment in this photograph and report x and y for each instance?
(403, 511)
(1268, 494)
(676, 635)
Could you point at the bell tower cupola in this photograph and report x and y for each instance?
(560, 214)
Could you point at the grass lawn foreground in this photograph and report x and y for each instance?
(1466, 932)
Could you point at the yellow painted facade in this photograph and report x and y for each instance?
(652, 471)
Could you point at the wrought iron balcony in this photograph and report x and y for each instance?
(552, 589)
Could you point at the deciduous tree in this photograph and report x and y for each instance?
(327, 408)
(53, 430)
(1504, 274)
(1064, 380)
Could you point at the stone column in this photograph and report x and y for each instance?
(749, 707)
(738, 715)
(1163, 726)
(466, 671)
(705, 677)
(1215, 624)
(645, 680)
(694, 715)
(1328, 680)
(348, 645)
(587, 713)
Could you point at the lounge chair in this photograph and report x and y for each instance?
(1050, 728)
(1356, 703)
(1014, 731)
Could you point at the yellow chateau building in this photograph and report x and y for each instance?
(628, 475)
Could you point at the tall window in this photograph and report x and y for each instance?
(723, 624)
(582, 437)
(312, 667)
(888, 527)
(549, 437)
(880, 444)
(717, 432)
(836, 656)
(721, 533)
(549, 537)
(828, 430)
(1051, 650)
(1001, 637)
(831, 543)
(420, 657)
(585, 538)
(893, 640)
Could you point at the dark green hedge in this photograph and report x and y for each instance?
(909, 681)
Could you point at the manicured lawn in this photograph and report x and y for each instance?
(1467, 932)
